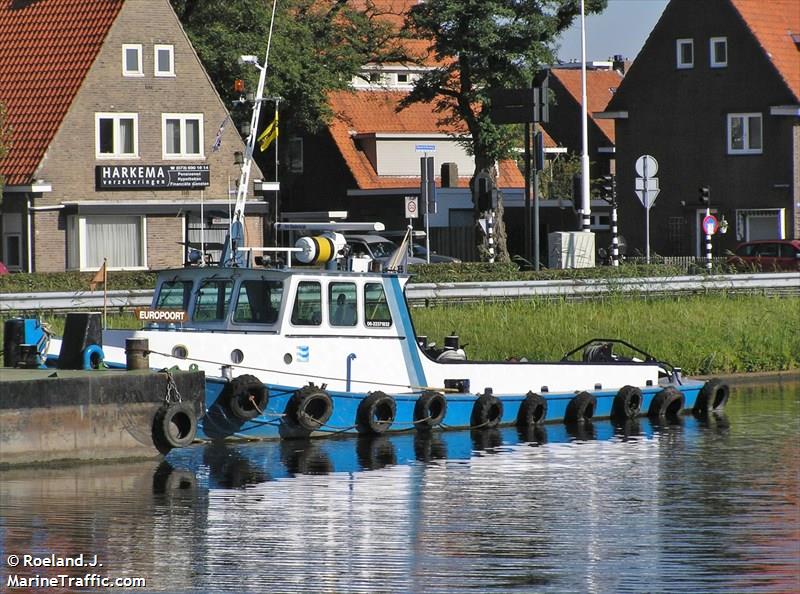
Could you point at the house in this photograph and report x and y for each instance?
(112, 119)
(714, 97)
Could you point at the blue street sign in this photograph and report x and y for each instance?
(425, 148)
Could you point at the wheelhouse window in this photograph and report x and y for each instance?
(744, 133)
(376, 308)
(307, 309)
(342, 306)
(182, 135)
(213, 299)
(116, 135)
(119, 240)
(174, 295)
(258, 302)
(718, 51)
(164, 60)
(132, 59)
(685, 53)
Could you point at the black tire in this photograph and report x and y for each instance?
(712, 397)
(246, 397)
(627, 403)
(376, 413)
(309, 408)
(174, 426)
(581, 408)
(487, 412)
(667, 403)
(532, 411)
(430, 410)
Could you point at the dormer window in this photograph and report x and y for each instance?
(132, 59)
(375, 78)
(685, 53)
(718, 50)
(164, 60)
(402, 78)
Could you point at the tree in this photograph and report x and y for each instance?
(481, 45)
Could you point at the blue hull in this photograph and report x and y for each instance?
(219, 423)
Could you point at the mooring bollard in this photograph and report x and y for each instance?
(137, 355)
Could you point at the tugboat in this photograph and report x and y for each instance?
(329, 347)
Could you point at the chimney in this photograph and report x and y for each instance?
(618, 63)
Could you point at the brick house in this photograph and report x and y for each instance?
(714, 96)
(112, 119)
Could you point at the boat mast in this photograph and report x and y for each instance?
(231, 256)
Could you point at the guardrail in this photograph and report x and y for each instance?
(421, 294)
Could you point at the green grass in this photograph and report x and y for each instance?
(703, 334)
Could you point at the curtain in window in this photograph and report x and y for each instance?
(192, 137)
(126, 136)
(173, 137)
(117, 238)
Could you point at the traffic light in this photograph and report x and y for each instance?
(705, 195)
(484, 193)
(609, 187)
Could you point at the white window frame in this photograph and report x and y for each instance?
(76, 247)
(12, 228)
(712, 53)
(744, 216)
(164, 46)
(747, 150)
(183, 118)
(125, 48)
(679, 43)
(117, 153)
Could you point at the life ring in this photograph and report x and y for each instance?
(532, 411)
(627, 403)
(430, 410)
(93, 357)
(667, 403)
(246, 397)
(486, 412)
(581, 408)
(174, 426)
(712, 397)
(375, 413)
(309, 408)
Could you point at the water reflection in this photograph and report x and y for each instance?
(679, 505)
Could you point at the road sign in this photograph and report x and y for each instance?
(648, 197)
(412, 207)
(710, 224)
(646, 166)
(425, 148)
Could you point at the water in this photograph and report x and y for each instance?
(689, 507)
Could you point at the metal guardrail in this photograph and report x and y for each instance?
(420, 294)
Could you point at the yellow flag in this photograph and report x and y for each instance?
(269, 134)
(100, 278)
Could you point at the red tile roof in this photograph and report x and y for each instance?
(773, 22)
(600, 88)
(370, 112)
(46, 50)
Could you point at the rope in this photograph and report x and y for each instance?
(308, 375)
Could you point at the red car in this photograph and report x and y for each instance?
(767, 254)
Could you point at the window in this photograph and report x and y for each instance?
(376, 308)
(116, 135)
(744, 133)
(685, 51)
(307, 304)
(402, 78)
(259, 302)
(600, 221)
(12, 240)
(174, 295)
(119, 239)
(342, 309)
(718, 51)
(164, 60)
(132, 59)
(212, 302)
(182, 135)
(755, 224)
(296, 155)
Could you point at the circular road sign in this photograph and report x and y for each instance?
(710, 224)
(652, 166)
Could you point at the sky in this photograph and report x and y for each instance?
(621, 29)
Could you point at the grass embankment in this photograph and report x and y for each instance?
(710, 334)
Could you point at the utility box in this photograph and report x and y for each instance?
(574, 249)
